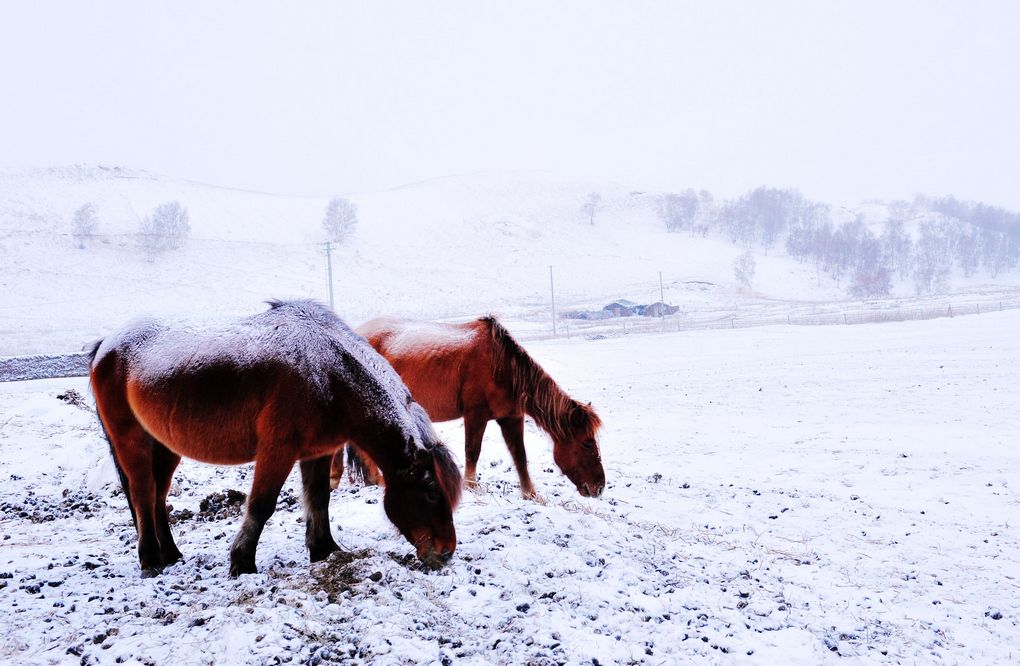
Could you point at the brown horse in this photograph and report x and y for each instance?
(477, 371)
(284, 386)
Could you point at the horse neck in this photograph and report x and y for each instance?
(541, 397)
(387, 447)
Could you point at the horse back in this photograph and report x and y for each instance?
(215, 410)
(447, 367)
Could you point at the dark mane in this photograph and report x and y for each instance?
(540, 395)
(447, 474)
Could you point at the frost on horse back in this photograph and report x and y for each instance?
(285, 386)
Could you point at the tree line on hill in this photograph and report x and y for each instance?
(922, 240)
(169, 225)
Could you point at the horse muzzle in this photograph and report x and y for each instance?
(435, 559)
(593, 489)
(434, 553)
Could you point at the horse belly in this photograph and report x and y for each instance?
(216, 436)
(440, 400)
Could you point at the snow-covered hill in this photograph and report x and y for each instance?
(445, 248)
(454, 246)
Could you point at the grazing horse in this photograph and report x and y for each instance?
(478, 372)
(286, 386)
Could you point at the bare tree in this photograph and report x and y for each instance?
(84, 224)
(172, 219)
(874, 282)
(591, 206)
(679, 211)
(165, 229)
(150, 239)
(340, 219)
(743, 269)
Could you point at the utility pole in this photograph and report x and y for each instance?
(329, 272)
(552, 299)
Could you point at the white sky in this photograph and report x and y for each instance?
(843, 100)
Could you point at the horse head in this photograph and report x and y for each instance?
(576, 449)
(421, 496)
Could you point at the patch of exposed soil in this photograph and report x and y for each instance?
(44, 509)
(227, 504)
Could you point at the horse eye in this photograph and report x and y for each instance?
(431, 494)
(588, 444)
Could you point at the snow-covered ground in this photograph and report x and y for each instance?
(776, 495)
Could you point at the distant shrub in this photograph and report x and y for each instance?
(165, 229)
(84, 224)
(340, 219)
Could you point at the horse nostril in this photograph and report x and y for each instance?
(435, 560)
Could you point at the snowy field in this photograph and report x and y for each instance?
(776, 495)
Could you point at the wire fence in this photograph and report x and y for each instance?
(773, 315)
(49, 366)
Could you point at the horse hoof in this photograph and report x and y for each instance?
(238, 569)
(321, 554)
(170, 560)
(151, 572)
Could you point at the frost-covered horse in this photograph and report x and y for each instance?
(478, 372)
(288, 385)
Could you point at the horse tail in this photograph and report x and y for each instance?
(93, 350)
(360, 469)
(124, 484)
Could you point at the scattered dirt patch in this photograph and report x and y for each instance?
(339, 573)
(43, 509)
(227, 504)
(73, 397)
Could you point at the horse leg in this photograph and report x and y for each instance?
(315, 479)
(474, 430)
(336, 468)
(270, 473)
(133, 449)
(513, 435)
(164, 462)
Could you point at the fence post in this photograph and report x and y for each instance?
(978, 308)
(552, 300)
(950, 310)
(329, 271)
(844, 318)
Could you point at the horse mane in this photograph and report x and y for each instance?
(536, 392)
(447, 474)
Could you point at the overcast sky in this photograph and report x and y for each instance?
(843, 100)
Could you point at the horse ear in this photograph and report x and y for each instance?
(422, 456)
(576, 415)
